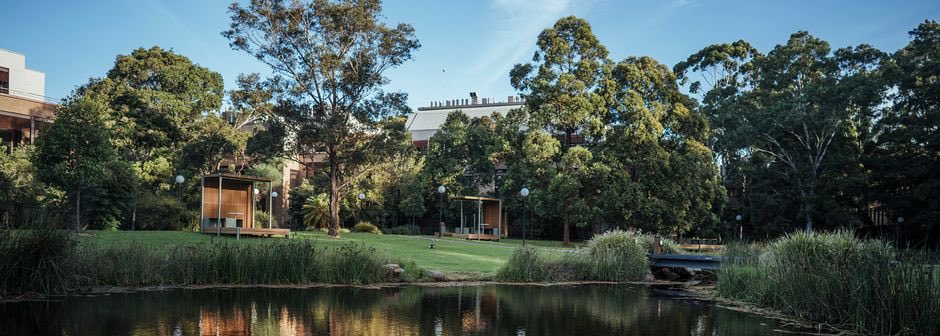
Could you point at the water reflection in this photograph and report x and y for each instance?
(484, 310)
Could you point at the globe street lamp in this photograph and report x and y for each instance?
(440, 209)
(360, 197)
(525, 196)
(271, 198)
(740, 228)
(179, 181)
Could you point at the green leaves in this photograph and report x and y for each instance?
(74, 153)
(329, 60)
(642, 161)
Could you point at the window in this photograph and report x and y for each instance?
(5, 80)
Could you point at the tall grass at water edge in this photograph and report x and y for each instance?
(838, 279)
(613, 256)
(45, 262)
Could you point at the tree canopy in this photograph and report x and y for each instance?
(328, 60)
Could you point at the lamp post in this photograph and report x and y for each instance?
(740, 228)
(897, 231)
(360, 198)
(179, 181)
(440, 210)
(525, 196)
(273, 195)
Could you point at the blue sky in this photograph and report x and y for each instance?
(476, 41)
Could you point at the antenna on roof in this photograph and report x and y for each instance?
(443, 84)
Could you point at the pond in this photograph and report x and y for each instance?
(410, 310)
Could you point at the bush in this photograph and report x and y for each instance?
(158, 212)
(528, 265)
(367, 227)
(613, 256)
(837, 279)
(316, 211)
(261, 219)
(617, 256)
(669, 246)
(408, 230)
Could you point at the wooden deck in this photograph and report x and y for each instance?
(474, 236)
(257, 232)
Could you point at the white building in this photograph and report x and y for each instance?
(424, 123)
(23, 104)
(17, 80)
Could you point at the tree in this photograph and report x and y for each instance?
(328, 59)
(800, 111)
(566, 90)
(155, 98)
(448, 154)
(666, 179)
(905, 159)
(75, 152)
(565, 86)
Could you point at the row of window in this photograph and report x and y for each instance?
(5, 80)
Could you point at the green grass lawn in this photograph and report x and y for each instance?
(449, 254)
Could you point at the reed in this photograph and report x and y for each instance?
(45, 262)
(34, 262)
(275, 262)
(614, 256)
(835, 278)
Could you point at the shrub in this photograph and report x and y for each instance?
(261, 219)
(669, 246)
(408, 230)
(617, 256)
(529, 265)
(837, 279)
(367, 227)
(316, 211)
(158, 212)
(613, 256)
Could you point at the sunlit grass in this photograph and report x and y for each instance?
(448, 254)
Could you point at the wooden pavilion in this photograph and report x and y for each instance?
(228, 206)
(481, 218)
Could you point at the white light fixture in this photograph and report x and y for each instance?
(362, 196)
(737, 218)
(256, 191)
(274, 194)
(900, 220)
(180, 179)
(441, 189)
(524, 192)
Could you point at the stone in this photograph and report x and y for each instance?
(393, 272)
(437, 276)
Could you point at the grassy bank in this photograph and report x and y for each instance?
(835, 278)
(43, 262)
(448, 255)
(613, 256)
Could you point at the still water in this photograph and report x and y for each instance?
(480, 310)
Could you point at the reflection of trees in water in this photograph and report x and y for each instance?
(559, 310)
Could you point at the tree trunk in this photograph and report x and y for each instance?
(808, 208)
(78, 206)
(566, 236)
(334, 198)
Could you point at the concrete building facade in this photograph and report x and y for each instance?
(425, 122)
(24, 108)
